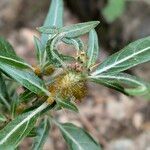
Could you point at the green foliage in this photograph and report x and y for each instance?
(3, 93)
(135, 53)
(41, 134)
(67, 104)
(15, 131)
(26, 78)
(58, 80)
(8, 55)
(77, 138)
(93, 48)
(136, 86)
(54, 18)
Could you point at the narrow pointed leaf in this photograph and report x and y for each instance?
(77, 30)
(109, 84)
(26, 79)
(39, 49)
(129, 84)
(8, 56)
(54, 18)
(67, 104)
(48, 30)
(3, 93)
(77, 138)
(93, 48)
(41, 135)
(14, 132)
(14, 105)
(55, 58)
(135, 53)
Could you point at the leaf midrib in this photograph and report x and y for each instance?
(69, 135)
(19, 62)
(45, 127)
(55, 14)
(116, 63)
(30, 81)
(114, 77)
(92, 50)
(21, 123)
(77, 28)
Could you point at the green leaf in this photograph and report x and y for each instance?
(48, 30)
(26, 79)
(8, 56)
(54, 18)
(76, 30)
(14, 105)
(66, 32)
(3, 93)
(133, 54)
(109, 84)
(32, 133)
(128, 84)
(41, 134)
(67, 104)
(77, 138)
(114, 9)
(93, 48)
(14, 132)
(40, 53)
(55, 58)
(76, 42)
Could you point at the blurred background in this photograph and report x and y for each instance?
(118, 122)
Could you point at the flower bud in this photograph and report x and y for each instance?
(69, 84)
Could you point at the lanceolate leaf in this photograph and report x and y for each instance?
(14, 105)
(77, 138)
(48, 30)
(40, 54)
(54, 57)
(15, 131)
(67, 104)
(135, 53)
(93, 48)
(109, 84)
(12, 134)
(3, 93)
(41, 134)
(25, 78)
(77, 30)
(127, 83)
(54, 18)
(8, 56)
